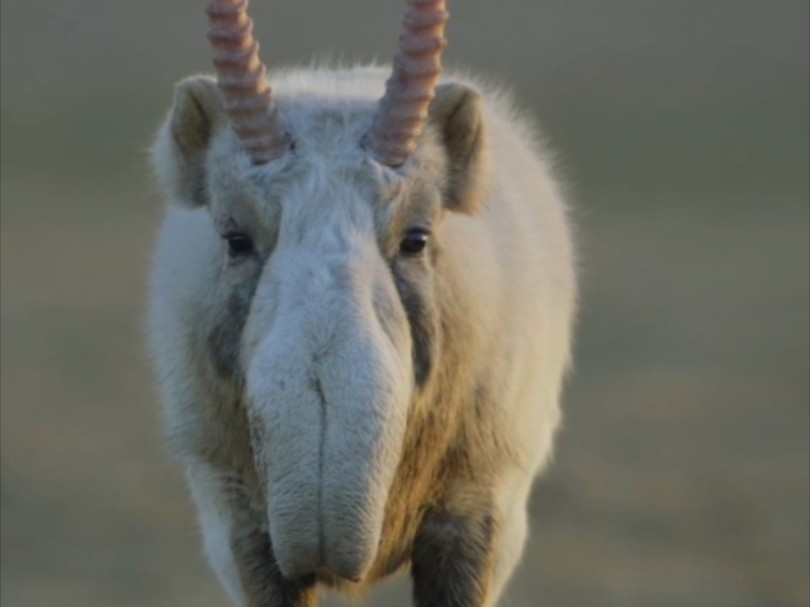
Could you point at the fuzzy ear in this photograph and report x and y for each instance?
(179, 153)
(458, 115)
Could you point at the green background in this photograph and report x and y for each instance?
(681, 477)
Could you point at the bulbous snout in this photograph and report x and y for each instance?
(329, 387)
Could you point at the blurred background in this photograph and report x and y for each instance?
(681, 477)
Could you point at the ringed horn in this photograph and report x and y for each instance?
(242, 78)
(403, 111)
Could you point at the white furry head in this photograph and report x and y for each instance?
(319, 307)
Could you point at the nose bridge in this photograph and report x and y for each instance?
(327, 257)
(328, 277)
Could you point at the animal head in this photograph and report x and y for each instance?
(327, 209)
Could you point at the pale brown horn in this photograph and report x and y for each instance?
(242, 78)
(403, 111)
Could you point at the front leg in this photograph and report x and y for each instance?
(453, 556)
(238, 545)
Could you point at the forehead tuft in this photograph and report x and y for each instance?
(327, 114)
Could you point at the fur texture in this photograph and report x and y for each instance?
(346, 410)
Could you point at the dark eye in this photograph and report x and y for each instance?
(239, 245)
(414, 242)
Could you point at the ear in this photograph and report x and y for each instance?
(179, 154)
(457, 113)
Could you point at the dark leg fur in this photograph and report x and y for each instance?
(453, 558)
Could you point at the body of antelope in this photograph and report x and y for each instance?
(361, 316)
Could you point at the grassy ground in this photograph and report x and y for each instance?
(682, 474)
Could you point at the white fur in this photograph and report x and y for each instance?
(216, 520)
